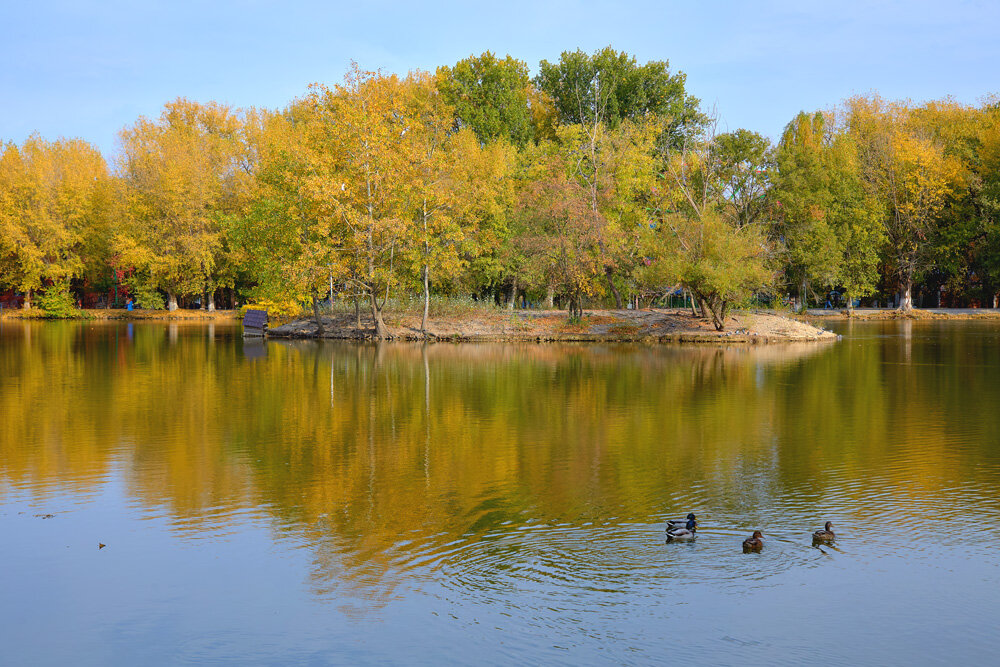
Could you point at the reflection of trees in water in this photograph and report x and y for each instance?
(375, 455)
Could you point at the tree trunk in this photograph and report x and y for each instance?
(171, 301)
(609, 274)
(381, 331)
(211, 301)
(694, 310)
(573, 306)
(906, 302)
(513, 296)
(718, 311)
(357, 311)
(703, 307)
(550, 297)
(804, 296)
(427, 299)
(316, 317)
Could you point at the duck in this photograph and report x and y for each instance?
(673, 524)
(825, 535)
(686, 532)
(754, 542)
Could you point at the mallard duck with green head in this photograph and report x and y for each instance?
(673, 524)
(687, 531)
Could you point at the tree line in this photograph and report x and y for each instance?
(599, 181)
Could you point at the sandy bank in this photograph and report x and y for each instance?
(650, 325)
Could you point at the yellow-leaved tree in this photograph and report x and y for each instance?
(180, 175)
(50, 201)
(907, 169)
(285, 239)
(461, 188)
(360, 169)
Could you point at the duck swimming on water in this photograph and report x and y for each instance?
(754, 542)
(673, 524)
(825, 535)
(685, 532)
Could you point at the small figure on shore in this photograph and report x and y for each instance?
(685, 532)
(825, 535)
(754, 542)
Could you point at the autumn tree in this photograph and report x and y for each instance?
(558, 240)
(52, 201)
(905, 167)
(181, 174)
(693, 243)
(287, 241)
(988, 240)
(360, 167)
(460, 186)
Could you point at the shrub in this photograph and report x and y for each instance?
(147, 297)
(56, 301)
(278, 310)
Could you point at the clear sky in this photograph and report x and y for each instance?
(86, 69)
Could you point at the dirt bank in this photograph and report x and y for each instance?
(887, 314)
(652, 325)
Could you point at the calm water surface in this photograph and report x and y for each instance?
(306, 503)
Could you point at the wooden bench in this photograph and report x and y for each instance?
(255, 323)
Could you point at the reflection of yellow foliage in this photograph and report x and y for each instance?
(374, 455)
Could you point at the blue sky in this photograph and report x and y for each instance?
(86, 69)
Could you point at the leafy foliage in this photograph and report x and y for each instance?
(490, 97)
(56, 301)
(598, 180)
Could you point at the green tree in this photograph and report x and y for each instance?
(745, 164)
(693, 243)
(610, 86)
(830, 227)
(722, 265)
(489, 96)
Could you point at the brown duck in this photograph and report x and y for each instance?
(754, 542)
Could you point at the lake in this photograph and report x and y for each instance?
(323, 502)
